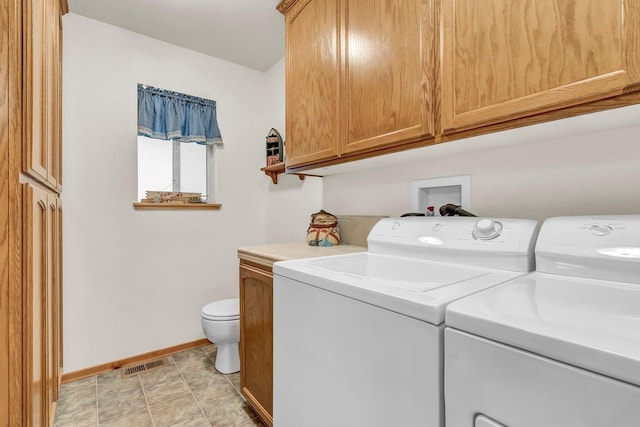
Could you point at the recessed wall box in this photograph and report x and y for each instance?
(440, 191)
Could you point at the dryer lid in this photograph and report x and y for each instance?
(226, 309)
(589, 323)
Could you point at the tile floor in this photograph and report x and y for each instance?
(189, 392)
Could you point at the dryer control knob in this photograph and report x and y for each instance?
(487, 229)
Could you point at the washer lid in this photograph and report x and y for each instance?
(589, 323)
(226, 309)
(417, 288)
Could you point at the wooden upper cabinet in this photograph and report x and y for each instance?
(506, 59)
(312, 84)
(388, 75)
(360, 76)
(42, 91)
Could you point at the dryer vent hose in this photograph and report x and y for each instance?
(450, 210)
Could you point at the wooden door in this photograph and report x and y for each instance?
(35, 271)
(35, 158)
(312, 81)
(388, 76)
(506, 59)
(256, 339)
(42, 91)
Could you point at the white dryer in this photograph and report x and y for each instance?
(557, 347)
(358, 337)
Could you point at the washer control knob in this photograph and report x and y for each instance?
(487, 229)
(600, 229)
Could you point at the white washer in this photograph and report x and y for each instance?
(358, 338)
(560, 346)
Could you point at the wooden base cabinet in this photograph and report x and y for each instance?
(256, 338)
(42, 317)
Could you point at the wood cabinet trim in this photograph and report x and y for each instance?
(257, 406)
(623, 100)
(284, 6)
(541, 102)
(13, 151)
(256, 263)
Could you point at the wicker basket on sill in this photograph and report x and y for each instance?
(172, 197)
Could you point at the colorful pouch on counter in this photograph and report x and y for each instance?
(323, 230)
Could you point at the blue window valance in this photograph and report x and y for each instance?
(163, 114)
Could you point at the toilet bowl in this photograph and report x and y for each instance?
(221, 326)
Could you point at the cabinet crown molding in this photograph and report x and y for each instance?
(285, 5)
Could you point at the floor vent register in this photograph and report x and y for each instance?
(129, 371)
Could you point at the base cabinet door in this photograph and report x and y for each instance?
(507, 59)
(256, 339)
(42, 315)
(36, 251)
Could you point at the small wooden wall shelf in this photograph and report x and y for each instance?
(274, 170)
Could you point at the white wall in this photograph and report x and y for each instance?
(291, 202)
(135, 281)
(591, 168)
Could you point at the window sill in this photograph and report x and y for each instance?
(176, 206)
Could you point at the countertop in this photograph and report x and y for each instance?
(266, 255)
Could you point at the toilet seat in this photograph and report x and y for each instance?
(226, 309)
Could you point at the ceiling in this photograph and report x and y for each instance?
(245, 32)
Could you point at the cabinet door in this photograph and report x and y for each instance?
(388, 73)
(256, 339)
(312, 83)
(506, 59)
(36, 250)
(35, 87)
(42, 86)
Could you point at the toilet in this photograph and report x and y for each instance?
(221, 326)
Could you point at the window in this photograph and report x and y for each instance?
(177, 135)
(174, 166)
